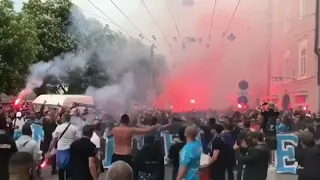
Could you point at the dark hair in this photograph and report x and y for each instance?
(3, 121)
(87, 130)
(21, 161)
(218, 128)
(227, 125)
(306, 138)
(66, 117)
(181, 134)
(96, 125)
(26, 130)
(125, 119)
(212, 121)
(247, 124)
(310, 127)
(154, 121)
(257, 135)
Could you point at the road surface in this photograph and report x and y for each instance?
(271, 175)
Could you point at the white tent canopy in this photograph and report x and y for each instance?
(63, 100)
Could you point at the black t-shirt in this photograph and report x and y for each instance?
(48, 128)
(269, 122)
(80, 152)
(174, 153)
(226, 152)
(7, 149)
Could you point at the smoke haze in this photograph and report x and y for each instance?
(209, 75)
(128, 65)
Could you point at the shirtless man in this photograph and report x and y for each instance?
(123, 135)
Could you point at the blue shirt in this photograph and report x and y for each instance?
(190, 157)
(282, 128)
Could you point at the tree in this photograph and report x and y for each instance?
(46, 29)
(18, 47)
(51, 18)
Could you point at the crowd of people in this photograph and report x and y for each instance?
(74, 143)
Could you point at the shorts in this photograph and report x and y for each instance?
(126, 158)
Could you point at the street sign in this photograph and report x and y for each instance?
(231, 37)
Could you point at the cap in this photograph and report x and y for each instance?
(271, 105)
(19, 114)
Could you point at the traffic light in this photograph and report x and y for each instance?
(243, 94)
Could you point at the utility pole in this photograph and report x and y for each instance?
(152, 82)
(153, 64)
(269, 48)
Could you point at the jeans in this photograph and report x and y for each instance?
(63, 174)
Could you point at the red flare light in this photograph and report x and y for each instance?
(17, 101)
(43, 164)
(239, 106)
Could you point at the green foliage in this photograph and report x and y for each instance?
(18, 47)
(43, 30)
(51, 20)
(54, 22)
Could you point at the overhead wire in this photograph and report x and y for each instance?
(232, 17)
(155, 22)
(135, 26)
(212, 18)
(105, 19)
(173, 19)
(113, 22)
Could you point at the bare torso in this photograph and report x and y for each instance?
(122, 140)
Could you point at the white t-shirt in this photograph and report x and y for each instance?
(79, 123)
(19, 122)
(95, 139)
(69, 136)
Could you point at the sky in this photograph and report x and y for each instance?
(160, 10)
(197, 68)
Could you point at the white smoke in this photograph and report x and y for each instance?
(127, 64)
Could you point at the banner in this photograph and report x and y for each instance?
(166, 142)
(285, 162)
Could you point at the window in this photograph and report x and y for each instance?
(287, 22)
(301, 99)
(287, 68)
(303, 8)
(303, 59)
(316, 65)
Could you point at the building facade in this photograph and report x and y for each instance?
(293, 62)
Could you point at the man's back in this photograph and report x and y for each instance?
(190, 156)
(80, 151)
(122, 140)
(311, 161)
(257, 163)
(7, 148)
(27, 144)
